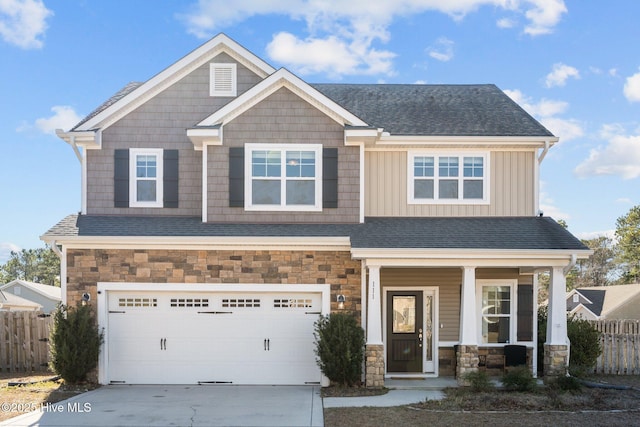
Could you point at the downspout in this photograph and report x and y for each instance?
(547, 145)
(572, 263)
(76, 150)
(536, 182)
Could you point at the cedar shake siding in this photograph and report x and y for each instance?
(161, 123)
(283, 118)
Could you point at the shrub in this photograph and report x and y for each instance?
(340, 348)
(478, 381)
(519, 379)
(585, 343)
(566, 383)
(75, 343)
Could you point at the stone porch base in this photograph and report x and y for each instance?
(467, 361)
(374, 365)
(555, 361)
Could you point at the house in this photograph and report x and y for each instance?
(605, 302)
(226, 204)
(10, 302)
(46, 296)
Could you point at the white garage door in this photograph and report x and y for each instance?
(214, 337)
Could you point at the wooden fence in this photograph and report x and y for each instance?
(24, 341)
(620, 341)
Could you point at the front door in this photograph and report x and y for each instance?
(404, 331)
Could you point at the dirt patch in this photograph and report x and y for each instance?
(38, 389)
(590, 406)
(356, 391)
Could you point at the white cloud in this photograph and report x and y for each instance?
(64, 117)
(624, 200)
(613, 72)
(5, 251)
(620, 156)
(632, 88)
(560, 74)
(23, 22)
(547, 111)
(442, 49)
(506, 23)
(544, 15)
(352, 27)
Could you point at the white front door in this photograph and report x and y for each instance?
(196, 337)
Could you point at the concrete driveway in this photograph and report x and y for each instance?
(215, 405)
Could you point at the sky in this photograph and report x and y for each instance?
(573, 64)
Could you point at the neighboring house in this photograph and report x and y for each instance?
(226, 204)
(48, 297)
(605, 302)
(10, 302)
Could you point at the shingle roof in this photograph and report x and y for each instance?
(435, 110)
(130, 87)
(597, 300)
(529, 233)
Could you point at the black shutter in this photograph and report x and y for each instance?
(121, 179)
(525, 313)
(170, 178)
(330, 178)
(236, 177)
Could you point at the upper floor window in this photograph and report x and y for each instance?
(146, 172)
(283, 177)
(447, 178)
(222, 79)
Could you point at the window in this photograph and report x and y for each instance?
(222, 80)
(496, 311)
(447, 178)
(576, 298)
(283, 177)
(146, 178)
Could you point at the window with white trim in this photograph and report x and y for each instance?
(497, 311)
(284, 177)
(447, 178)
(146, 177)
(223, 79)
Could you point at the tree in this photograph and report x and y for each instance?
(628, 235)
(601, 269)
(40, 265)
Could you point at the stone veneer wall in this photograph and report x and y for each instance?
(87, 267)
(374, 366)
(467, 361)
(555, 361)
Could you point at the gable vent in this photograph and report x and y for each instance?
(223, 80)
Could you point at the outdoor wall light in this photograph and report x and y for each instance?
(341, 299)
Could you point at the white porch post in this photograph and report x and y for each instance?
(467, 353)
(374, 307)
(468, 319)
(556, 348)
(374, 352)
(557, 316)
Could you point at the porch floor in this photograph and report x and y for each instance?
(438, 383)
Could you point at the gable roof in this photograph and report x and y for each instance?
(52, 292)
(10, 300)
(436, 110)
(133, 95)
(476, 233)
(605, 299)
(596, 297)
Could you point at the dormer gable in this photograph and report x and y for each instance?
(209, 130)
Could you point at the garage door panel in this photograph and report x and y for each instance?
(192, 337)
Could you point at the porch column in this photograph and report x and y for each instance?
(556, 348)
(467, 354)
(374, 352)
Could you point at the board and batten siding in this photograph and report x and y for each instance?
(161, 122)
(511, 187)
(283, 118)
